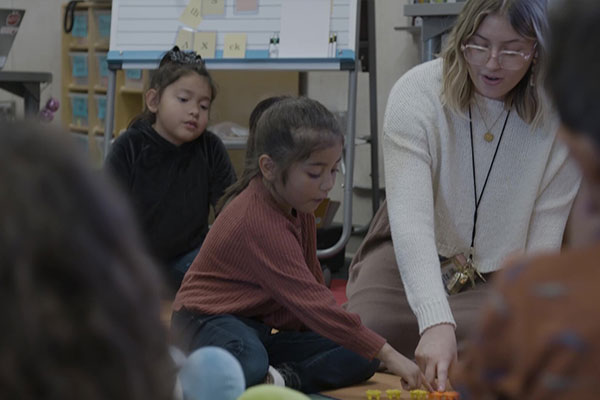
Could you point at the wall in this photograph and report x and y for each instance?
(397, 52)
(37, 45)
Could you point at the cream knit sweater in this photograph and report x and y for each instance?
(429, 183)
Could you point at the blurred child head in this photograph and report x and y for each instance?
(488, 23)
(255, 115)
(574, 82)
(78, 294)
(179, 97)
(290, 132)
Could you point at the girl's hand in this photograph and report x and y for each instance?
(436, 354)
(403, 367)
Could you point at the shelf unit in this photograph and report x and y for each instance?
(438, 18)
(85, 79)
(433, 9)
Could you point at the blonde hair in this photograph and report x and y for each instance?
(529, 19)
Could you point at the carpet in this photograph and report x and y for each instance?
(338, 288)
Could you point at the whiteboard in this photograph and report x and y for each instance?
(142, 30)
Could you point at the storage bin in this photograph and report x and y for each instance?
(100, 106)
(81, 142)
(79, 68)
(102, 68)
(102, 26)
(134, 79)
(79, 33)
(79, 109)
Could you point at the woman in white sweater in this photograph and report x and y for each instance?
(473, 171)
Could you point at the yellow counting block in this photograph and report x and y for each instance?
(235, 45)
(419, 394)
(213, 7)
(192, 15)
(373, 394)
(205, 44)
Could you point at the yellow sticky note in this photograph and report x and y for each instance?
(205, 44)
(235, 45)
(185, 39)
(213, 7)
(192, 15)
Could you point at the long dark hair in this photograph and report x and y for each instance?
(79, 297)
(255, 115)
(174, 65)
(288, 131)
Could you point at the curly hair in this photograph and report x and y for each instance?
(79, 297)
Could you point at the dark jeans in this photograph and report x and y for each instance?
(307, 361)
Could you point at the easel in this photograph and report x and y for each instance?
(346, 60)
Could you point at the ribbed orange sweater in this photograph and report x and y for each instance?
(258, 262)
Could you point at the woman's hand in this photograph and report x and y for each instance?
(403, 367)
(436, 354)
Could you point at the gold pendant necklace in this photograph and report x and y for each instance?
(488, 135)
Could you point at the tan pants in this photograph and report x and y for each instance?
(376, 293)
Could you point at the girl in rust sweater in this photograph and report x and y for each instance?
(256, 287)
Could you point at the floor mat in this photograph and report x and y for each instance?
(338, 287)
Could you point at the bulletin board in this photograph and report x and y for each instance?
(142, 30)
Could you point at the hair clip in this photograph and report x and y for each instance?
(175, 55)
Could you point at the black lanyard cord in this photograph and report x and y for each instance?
(478, 201)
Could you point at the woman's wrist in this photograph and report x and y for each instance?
(434, 313)
(442, 325)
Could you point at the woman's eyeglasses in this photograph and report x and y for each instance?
(507, 59)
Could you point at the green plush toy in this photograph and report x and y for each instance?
(271, 392)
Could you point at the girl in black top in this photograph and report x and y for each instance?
(171, 166)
